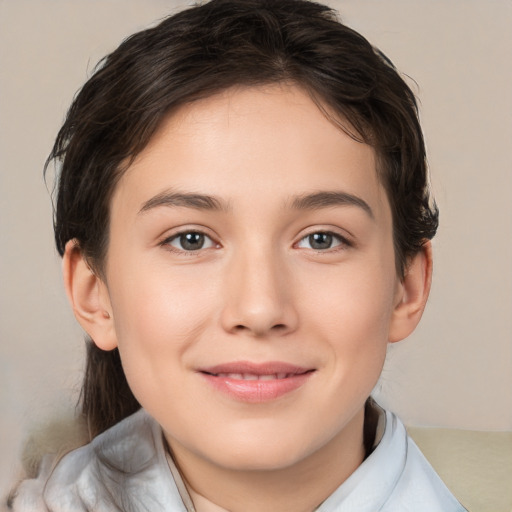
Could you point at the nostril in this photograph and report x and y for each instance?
(275, 328)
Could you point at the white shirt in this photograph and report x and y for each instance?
(126, 469)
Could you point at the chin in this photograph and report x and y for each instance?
(258, 453)
(259, 460)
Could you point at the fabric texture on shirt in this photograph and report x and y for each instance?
(125, 469)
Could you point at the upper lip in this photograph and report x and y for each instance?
(247, 367)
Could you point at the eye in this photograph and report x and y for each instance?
(190, 241)
(322, 241)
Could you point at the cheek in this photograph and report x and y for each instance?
(149, 295)
(158, 316)
(352, 312)
(358, 298)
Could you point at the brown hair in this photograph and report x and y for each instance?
(197, 53)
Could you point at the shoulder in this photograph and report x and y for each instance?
(418, 488)
(394, 478)
(105, 474)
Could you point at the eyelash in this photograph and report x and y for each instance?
(167, 243)
(341, 242)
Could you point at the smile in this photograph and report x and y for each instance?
(254, 383)
(252, 376)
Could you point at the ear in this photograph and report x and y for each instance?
(89, 297)
(412, 295)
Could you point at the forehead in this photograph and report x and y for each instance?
(272, 142)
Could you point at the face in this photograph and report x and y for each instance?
(251, 279)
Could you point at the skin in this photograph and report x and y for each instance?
(258, 290)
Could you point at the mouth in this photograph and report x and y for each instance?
(253, 376)
(256, 382)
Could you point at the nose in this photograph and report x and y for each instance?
(259, 296)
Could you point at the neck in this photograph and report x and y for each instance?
(301, 487)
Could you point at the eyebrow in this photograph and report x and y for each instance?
(313, 201)
(327, 199)
(184, 199)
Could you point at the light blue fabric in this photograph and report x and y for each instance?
(125, 469)
(396, 477)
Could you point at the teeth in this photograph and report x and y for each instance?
(251, 376)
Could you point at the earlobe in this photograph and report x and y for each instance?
(89, 297)
(413, 295)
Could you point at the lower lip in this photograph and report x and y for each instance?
(256, 391)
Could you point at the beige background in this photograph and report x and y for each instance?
(456, 370)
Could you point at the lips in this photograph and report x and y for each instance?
(256, 382)
(252, 376)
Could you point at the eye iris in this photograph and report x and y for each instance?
(320, 240)
(192, 241)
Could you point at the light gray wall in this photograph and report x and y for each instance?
(456, 370)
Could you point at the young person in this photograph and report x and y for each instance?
(245, 222)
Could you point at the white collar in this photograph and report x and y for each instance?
(125, 468)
